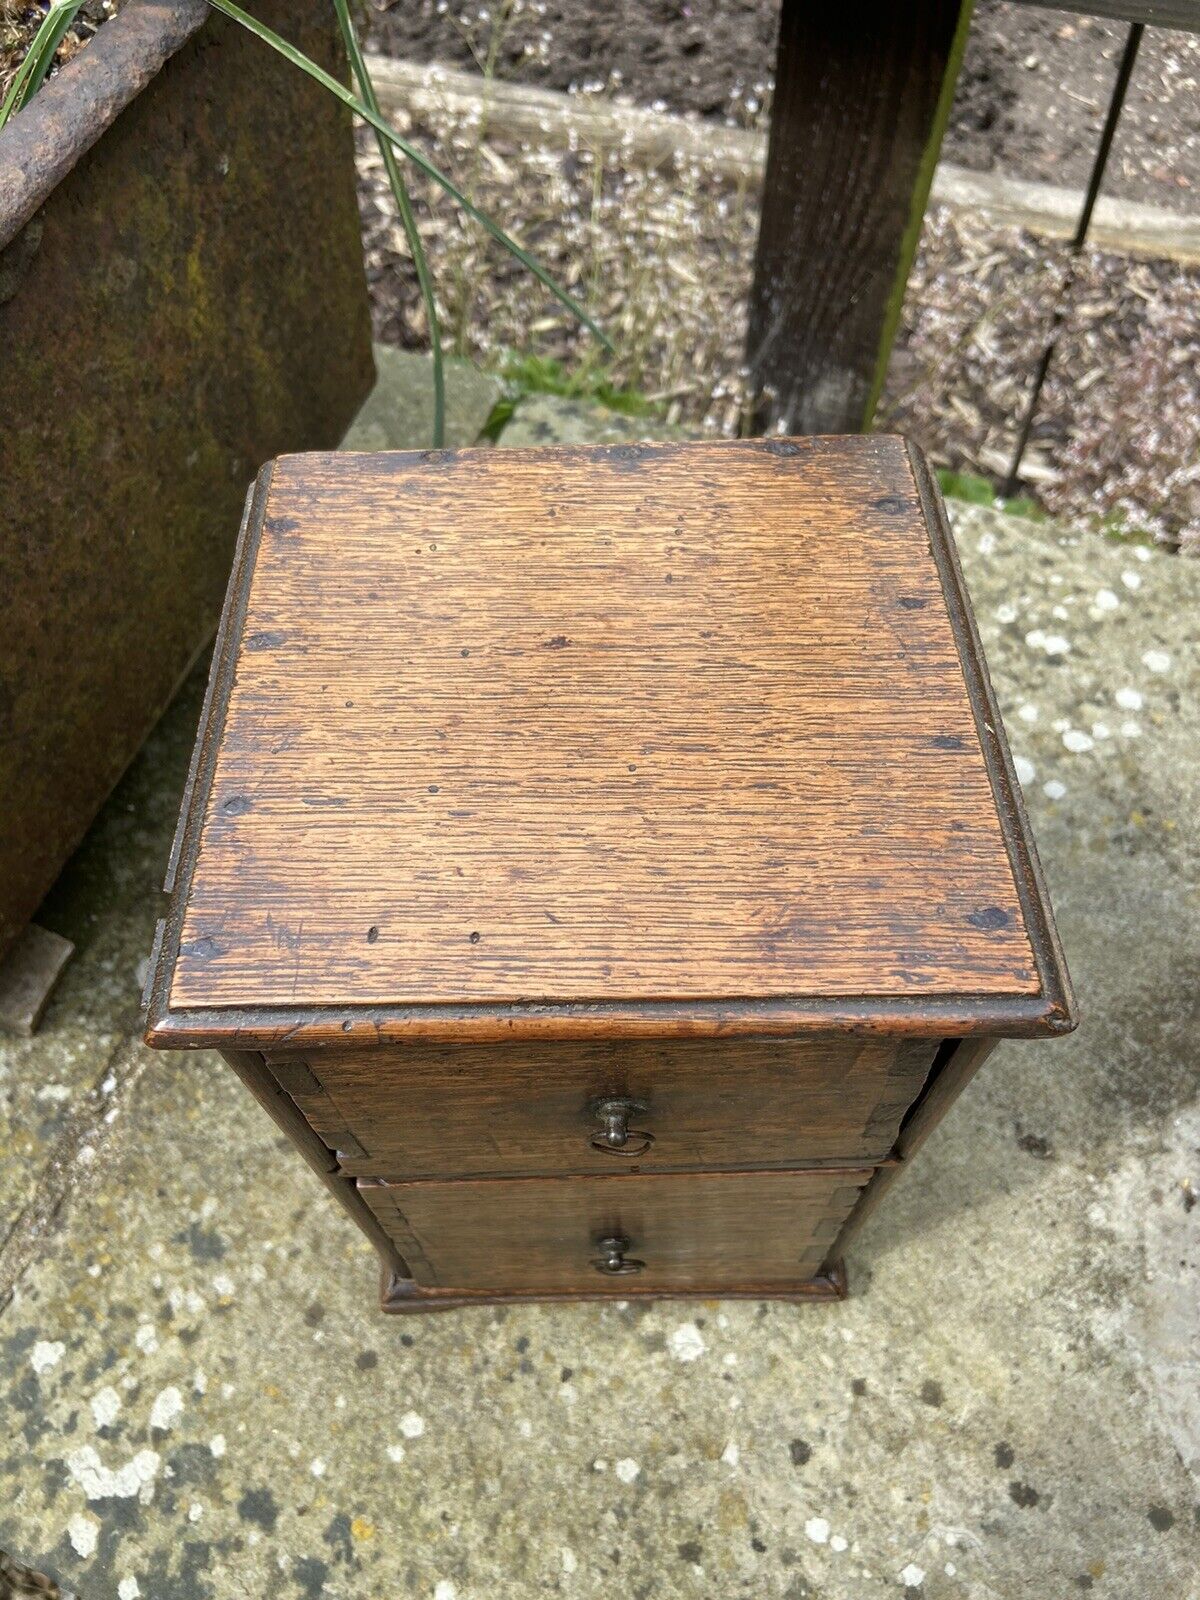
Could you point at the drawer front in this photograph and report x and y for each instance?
(638, 1233)
(464, 1111)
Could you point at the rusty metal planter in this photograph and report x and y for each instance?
(181, 297)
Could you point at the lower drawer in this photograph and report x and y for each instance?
(746, 1231)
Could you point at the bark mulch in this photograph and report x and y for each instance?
(664, 258)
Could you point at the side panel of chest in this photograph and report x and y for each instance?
(466, 1111)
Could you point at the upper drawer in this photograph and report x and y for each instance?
(463, 1111)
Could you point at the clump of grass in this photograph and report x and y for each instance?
(532, 374)
(977, 491)
(31, 74)
(1117, 530)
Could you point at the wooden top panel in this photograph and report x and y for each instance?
(615, 726)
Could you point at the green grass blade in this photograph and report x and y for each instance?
(404, 204)
(327, 81)
(16, 88)
(39, 58)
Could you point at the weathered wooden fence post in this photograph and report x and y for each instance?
(862, 95)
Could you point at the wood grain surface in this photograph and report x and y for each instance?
(426, 1111)
(640, 723)
(861, 93)
(743, 1230)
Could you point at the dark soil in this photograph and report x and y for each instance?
(705, 56)
(663, 258)
(1031, 98)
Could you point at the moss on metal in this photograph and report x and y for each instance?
(189, 302)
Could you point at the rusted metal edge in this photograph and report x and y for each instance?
(68, 115)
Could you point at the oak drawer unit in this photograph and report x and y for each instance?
(605, 864)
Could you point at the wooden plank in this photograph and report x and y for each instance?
(1120, 226)
(1154, 13)
(862, 93)
(717, 740)
(551, 119)
(548, 117)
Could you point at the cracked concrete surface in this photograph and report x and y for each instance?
(198, 1398)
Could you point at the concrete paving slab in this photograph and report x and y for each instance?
(106, 903)
(198, 1399)
(28, 975)
(398, 413)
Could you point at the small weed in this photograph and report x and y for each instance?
(1023, 505)
(979, 491)
(529, 374)
(967, 486)
(1117, 531)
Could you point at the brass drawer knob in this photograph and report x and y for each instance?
(612, 1260)
(616, 1137)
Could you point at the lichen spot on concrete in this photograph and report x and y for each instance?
(167, 1409)
(686, 1343)
(106, 1403)
(46, 1354)
(83, 1532)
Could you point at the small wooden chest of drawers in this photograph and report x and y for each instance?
(605, 864)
